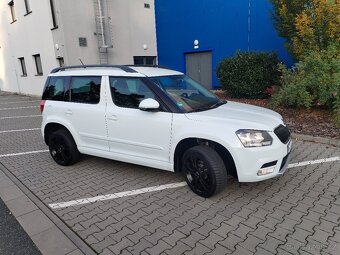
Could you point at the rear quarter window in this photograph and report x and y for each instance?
(54, 89)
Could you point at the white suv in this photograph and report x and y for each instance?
(160, 118)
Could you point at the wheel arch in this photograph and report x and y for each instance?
(52, 127)
(187, 143)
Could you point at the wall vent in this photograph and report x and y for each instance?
(82, 41)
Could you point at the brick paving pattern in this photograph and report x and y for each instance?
(298, 213)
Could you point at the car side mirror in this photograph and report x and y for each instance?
(149, 105)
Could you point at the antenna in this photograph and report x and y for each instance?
(82, 63)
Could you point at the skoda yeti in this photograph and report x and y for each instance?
(160, 118)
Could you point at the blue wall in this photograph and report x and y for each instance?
(221, 26)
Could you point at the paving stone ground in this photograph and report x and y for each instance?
(298, 213)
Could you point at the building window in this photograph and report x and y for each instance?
(144, 60)
(61, 61)
(38, 65)
(28, 6)
(146, 6)
(53, 13)
(12, 8)
(23, 67)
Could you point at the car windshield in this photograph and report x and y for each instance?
(189, 95)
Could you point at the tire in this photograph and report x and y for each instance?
(63, 148)
(204, 171)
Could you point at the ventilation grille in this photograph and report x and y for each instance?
(82, 41)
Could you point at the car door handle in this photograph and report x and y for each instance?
(68, 112)
(113, 117)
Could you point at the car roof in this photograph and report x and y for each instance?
(152, 71)
(141, 71)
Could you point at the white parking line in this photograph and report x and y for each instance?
(19, 130)
(313, 162)
(117, 195)
(18, 117)
(160, 187)
(19, 102)
(17, 108)
(21, 153)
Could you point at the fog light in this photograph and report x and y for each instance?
(265, 171)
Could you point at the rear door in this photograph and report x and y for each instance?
(86, 111)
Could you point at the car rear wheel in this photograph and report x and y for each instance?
(63, 148)
(204, 171)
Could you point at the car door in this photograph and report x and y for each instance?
(86, 111)
(135, 134)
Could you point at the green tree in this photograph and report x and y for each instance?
(308, 25)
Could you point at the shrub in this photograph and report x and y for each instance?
(314, 81)
(249, 74)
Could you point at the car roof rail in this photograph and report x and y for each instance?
(155, 66)
(122, 67)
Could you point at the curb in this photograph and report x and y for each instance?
(316, 139)
(49, 239)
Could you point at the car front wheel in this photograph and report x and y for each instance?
(62, 148)
(204, 171)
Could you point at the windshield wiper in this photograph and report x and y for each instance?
(219, 103)
(200, 109)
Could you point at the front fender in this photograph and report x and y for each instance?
(184, 128)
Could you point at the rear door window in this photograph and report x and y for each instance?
(85, 89)
(55, 89)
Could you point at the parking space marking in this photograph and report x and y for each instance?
(91, 200)
(19, 130)
(117, 195)
(19, 102)
(18, 108)
(18, 117)
(21, 153)
(313, 162)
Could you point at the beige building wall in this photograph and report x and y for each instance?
(132, 28)
(129, 22)
(30, 34)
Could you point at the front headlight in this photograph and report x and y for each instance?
(254, 138)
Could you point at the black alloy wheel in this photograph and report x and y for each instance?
(204, 171)
(63, 148)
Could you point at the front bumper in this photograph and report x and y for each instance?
(249, 161)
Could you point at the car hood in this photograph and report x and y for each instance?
(243, 116)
